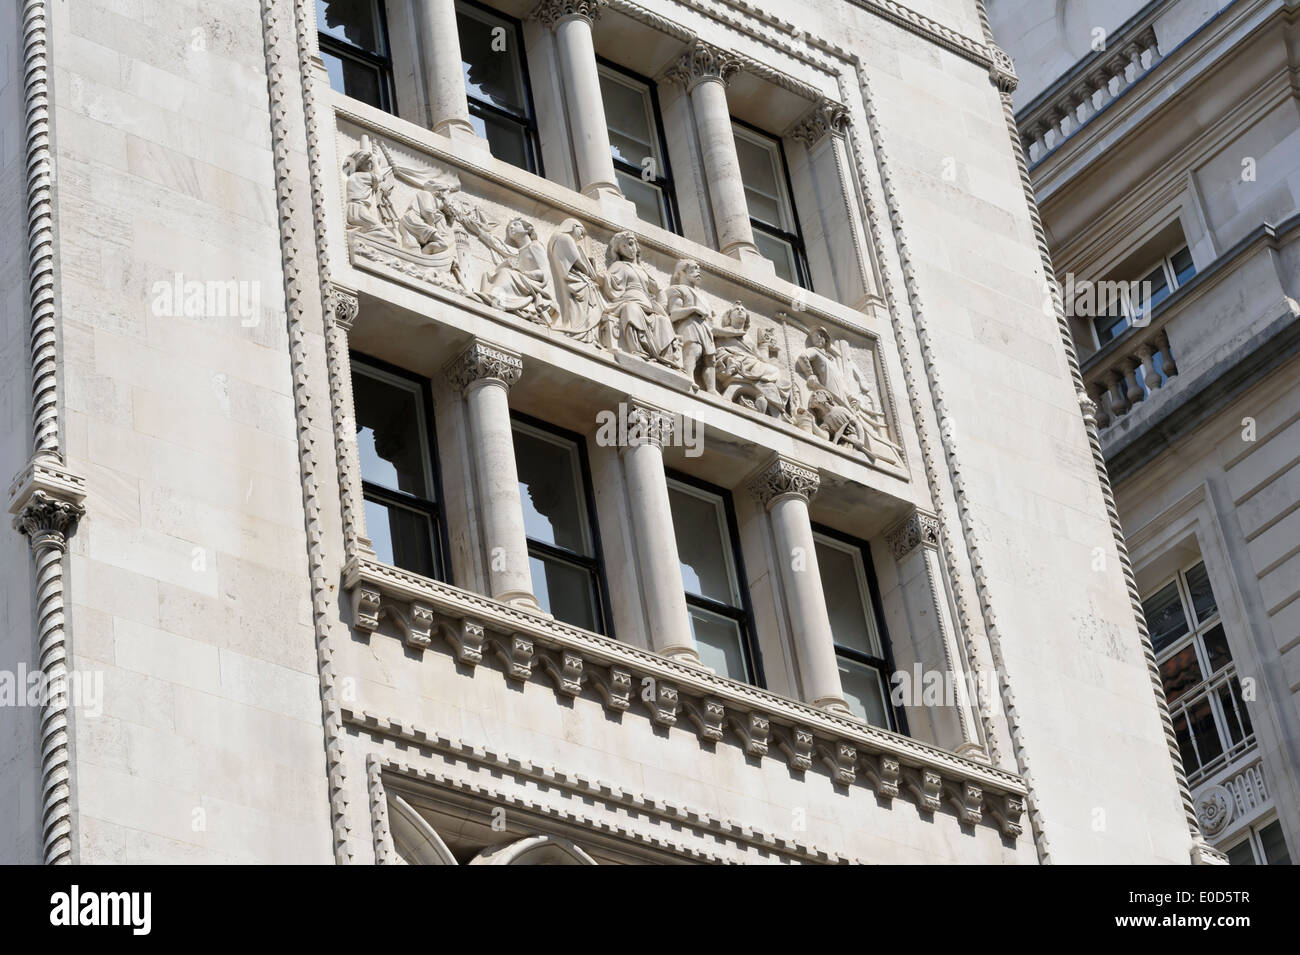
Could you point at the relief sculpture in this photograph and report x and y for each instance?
(442, 235)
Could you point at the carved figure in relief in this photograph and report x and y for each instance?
(692, 320)
(577, 287)
(748, 374)
(840, 397)
(644, 328)
(369, 193)
(518, 283)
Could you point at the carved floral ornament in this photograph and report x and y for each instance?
(417, 225)
(552, 12)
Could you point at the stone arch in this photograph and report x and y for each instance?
(414, 840)
(534, 850)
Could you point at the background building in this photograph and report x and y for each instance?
(1164, 149)
(461, 433)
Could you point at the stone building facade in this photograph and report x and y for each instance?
(462, 433)
(1164, 148)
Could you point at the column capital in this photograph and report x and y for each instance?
(1002, 70)
(346, 305)
(915, 530)
(827, 116)
(782, 476)
(552, 12)
(704, 61)
(647, 424)
(47, 520)
(483, 361)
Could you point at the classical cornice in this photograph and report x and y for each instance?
(483, 361)
(483, 632)
(553, 12)
(783, 476)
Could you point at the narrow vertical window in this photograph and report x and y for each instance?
(705, 529)
(403, 519)
(496, 84)
(354, 46)
(771, 206)
(560, 524)
(863, 658)
(636, 141)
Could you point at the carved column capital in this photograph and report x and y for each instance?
(46, 520)
(346, 306)
(919, 528)
(552, 12)
(704, 61)
(647, 424)
(783, 476)
(827, 117)
(1002, 71)
(483, 361)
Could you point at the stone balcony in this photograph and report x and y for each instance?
(1200, 347)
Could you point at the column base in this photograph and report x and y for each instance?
(688, 655)
(524, 601)
(613, 204)
(833, 704)
(462, 133)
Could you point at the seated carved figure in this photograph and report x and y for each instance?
(644, 328)
(839, 424)
(693, 322)
(518, 283)
(369, 187)
(577, 286)
(747, 374)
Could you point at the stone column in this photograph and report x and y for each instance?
(784, 488)
(485, 373)
(570, 21)
(444, 79)
(48, 521)
(915, 545)
(667, 618)
(704, 71)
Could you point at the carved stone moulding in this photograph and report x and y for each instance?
(478, 632)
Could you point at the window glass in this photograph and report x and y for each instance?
(1216, 648)
(864, 691)
(565, 590)
(490, 58)
(1241, 854)
(1153, 289)
(703, 545)
(1274, 844)
(1198, 586)
(401, 536)
(550, 487)
(351, 78)
(844, 584)
(1180, 672)
(720, 643)
(760, 171)
(780, 253)
(630, 118)
(1165, 617)
(391, 434)
(646, 196)
(1182, 265)
(1205, 733)
(355, 22)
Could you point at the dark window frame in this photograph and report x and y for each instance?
(665, 182)
(595, 564)
(803, 276)
(528, 123)
(437, 508)
(897, 715)
(744, 614)
(383, 64)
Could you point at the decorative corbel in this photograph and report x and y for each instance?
(798, 748)
(565, 670)
(365, 608)
(417, 626)
(516, 652)
(883, 773)
(927, 787)
(842, 760)
(1008, 811)
(666, 703)
(708, 717)
(466, 638)
(615, 688)
(968, 799)
(754, 731)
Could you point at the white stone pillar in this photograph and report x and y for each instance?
(570, 21)
(444, 79)
(485, 373)
(784, 488)
(915, 545)
(667, 618)
(704, 71)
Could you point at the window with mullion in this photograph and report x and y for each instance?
(637, 145)
(1157, 283)
(398, 468)
(560, 525)
(496, 84)
(708, 547)
(353, 40)
(852, 603)
(771, 202)
(1264, 845)
(1200, 682)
